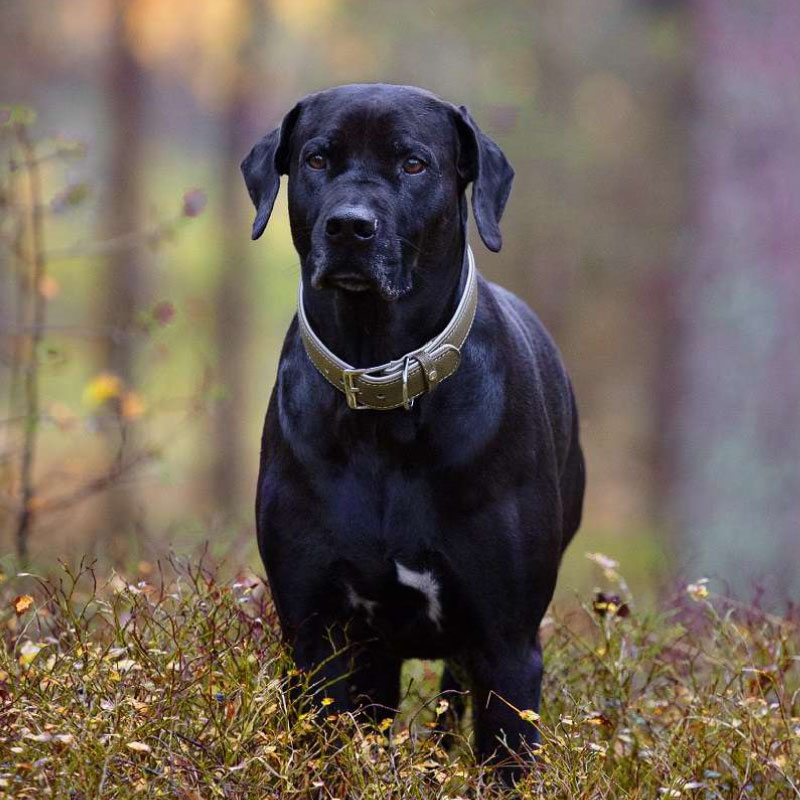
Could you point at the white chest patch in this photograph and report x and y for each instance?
(423, 582)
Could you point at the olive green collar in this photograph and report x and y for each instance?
(397, 383)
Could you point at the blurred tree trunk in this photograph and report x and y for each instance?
(232, 297)
(736, 467)
(230, 302)
(125, 270)
(546, 282)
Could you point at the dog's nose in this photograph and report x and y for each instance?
(351, 224)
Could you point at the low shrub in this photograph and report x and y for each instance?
(174, 684)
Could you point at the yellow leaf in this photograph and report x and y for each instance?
(327, 701)
(27, 652)
(22, 603)
(101, 389)
(698, 591)
(139, 747)
(529, 715)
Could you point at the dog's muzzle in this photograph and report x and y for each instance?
(397, 383)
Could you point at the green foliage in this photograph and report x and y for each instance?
(177, 687)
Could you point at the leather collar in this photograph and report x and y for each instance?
(397, 383)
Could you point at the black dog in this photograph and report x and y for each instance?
(431, 528)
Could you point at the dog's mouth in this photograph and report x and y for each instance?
(376, 270)
(375, 277)
(349, 282)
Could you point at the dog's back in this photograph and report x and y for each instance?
(563, 419)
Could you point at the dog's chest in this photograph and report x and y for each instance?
(388, 545)
(386, 499)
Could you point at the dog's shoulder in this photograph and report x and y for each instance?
(300, 388)
(522, 322)
(522, 334)
(534, 363)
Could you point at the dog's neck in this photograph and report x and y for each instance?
(365, 330)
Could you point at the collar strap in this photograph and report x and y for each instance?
(397, 383)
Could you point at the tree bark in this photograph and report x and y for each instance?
(125, 270)
(233, 290)
(736, 427)
(231, 302)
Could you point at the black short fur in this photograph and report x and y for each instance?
(480, 484)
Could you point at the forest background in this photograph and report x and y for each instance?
(653, 226)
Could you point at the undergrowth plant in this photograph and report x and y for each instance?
(33, 200)
(174, 683)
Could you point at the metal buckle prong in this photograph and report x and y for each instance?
(351, 391)
(408, 403)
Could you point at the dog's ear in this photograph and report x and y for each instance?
(482, 163)
(263, 166)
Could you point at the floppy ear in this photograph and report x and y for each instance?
(262, 169)
(482, 162)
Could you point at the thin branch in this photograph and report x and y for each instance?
(31, 375)
(84, 331)
(96, 485)
(125, 241)
(14, 361)
(76, 150)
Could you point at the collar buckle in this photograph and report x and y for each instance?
(351, 391)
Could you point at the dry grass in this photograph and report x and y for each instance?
(175, 686)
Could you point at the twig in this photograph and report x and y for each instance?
(31, 378)
(15, 358)
(125, 241)
(65, 501)
(88, 331)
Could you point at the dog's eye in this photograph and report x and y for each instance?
(317, 161)
(413, 165)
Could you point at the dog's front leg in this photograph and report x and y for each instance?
(503, 685)
(353, 676)
(375, 682)
(322, 655)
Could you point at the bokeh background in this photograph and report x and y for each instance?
(654, 226)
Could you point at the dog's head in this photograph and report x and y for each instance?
(376, 176)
